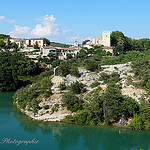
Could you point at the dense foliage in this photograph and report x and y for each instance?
(13, 66)
(109, 106)
(28, 96)
(3, 36)
(71, 101)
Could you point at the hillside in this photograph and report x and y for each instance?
(52, 108)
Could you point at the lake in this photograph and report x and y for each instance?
(18, 133)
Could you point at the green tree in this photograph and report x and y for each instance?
(48, 42)
(8, 75)
(36, 46)
(119, 40)
(84, 42)
(2, 44)
(77, 87)
(74, 71)
(69, 56)
(64, 68)
(72, 102)
(131, 107)
(45, 86)
(112, 99)
(90, 64)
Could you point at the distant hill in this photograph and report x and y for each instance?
(3, 36)
(59, 45)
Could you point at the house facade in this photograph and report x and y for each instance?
(59, 51)
(29, 42)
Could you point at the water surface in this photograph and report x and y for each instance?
(56, 136)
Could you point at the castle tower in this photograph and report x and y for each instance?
(106, 38)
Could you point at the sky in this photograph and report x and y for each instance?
(65, 21)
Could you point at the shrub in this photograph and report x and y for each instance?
(46, 107)
(77, 87)
(64, 68)
(72, 102)
(104, 77)
(94, 84)
(114, 77)
(55, 107)
(137, 123)
(90, 64)
(62, 87)
(74, 71)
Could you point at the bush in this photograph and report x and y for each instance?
(64, 68)
(90, 64)
(114, 77)
(77, 87)
(55, 107)
(137, 123)
(62, 87)
(74, 71)
(46, 107)
(104, 77)
(72, 102)
(94, 84)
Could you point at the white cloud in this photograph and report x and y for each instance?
(66, 31)
(10, 21)
(47, 27)
(19, 31)
(2, 17)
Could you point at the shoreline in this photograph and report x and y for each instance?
(62, 121)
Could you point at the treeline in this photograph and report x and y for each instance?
(12, 66)
(124, 44)
(3, 36)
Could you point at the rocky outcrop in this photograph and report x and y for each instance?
(87, 78)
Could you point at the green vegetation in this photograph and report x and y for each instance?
(142, 70)
(94, 84)
(62, 87)
(84, 42)
(8, 46)
(77, 88)
(74, 71)
(113, 78)
(46, 107)
(12, 67)
(106, 108)
(36, 46)
(99, 107)
(67, 67)
(28, 96)
(3, 36)
(71, 101)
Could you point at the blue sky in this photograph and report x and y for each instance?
(69, 20)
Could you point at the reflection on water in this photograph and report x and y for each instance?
(62, 136)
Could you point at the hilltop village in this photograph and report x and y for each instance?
(40, 47)
(103, 81)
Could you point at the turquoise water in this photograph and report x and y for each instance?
(56, 136)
